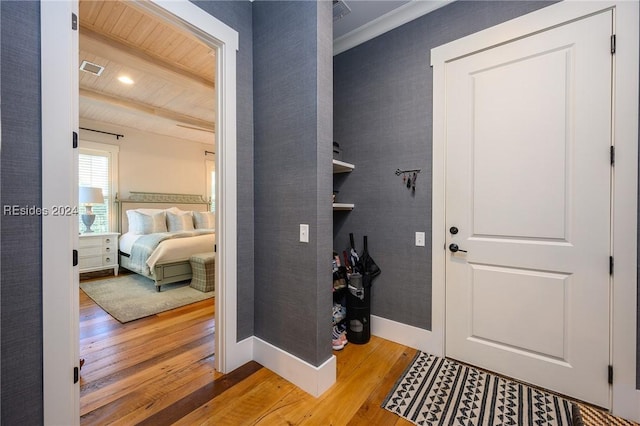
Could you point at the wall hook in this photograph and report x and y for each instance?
(399, 172)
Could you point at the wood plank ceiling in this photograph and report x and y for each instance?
(173, 72)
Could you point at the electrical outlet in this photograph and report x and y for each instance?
(420, 239)
(304, 233)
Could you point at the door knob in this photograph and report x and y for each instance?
(454, 248)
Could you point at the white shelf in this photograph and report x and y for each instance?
(342, 167)
(343, 206)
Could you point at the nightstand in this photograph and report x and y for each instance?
(98, 251)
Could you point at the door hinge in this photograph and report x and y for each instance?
(75, 140)
(76, 374)
(74, 21)
(610, 375)
(613, 44)
(215, 248)
(610, 265)
(75, 258)
(612, 155)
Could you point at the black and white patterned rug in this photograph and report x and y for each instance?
(439, 391)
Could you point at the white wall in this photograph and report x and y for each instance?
(153, 163)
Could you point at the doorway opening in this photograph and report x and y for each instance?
(156, 85)
(60, 117)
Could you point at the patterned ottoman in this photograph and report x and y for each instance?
(203, 268)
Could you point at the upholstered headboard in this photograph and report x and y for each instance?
(157, 200)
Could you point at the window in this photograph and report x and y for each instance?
(210, 166)
(97, 167)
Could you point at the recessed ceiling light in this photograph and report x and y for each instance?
(124, 79)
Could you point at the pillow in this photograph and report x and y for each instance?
(142, 223)
(204, 220)
(149, 212)
(179, 222)
(175, 210)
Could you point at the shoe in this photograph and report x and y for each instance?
(336, 339)
(337, 345)
(339, 313)
(343, 337)
(339, 333)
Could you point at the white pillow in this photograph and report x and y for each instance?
(175, 210)
(150, 212)
(146, 222)
(179, 222)
(204, 220)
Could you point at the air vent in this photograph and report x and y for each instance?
(92, 68)
(340, 9)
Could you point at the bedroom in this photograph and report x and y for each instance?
(152, 133)
(147, 111)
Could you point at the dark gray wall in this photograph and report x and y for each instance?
(238, 15)
(20, 183)
(292, 74)
(20, 167)
(383, 122)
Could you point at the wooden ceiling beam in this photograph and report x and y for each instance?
(147, 109)
(116, 51)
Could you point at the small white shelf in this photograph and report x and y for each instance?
(343, 206)
(342, 167)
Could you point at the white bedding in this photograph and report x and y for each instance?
(171, 250)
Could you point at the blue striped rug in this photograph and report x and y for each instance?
(439, 391)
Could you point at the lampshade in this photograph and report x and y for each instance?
(90, 196)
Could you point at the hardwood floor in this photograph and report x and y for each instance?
(159, 371)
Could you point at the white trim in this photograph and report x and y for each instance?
(229, 354)
(313, 380)
(60, 304)
(408, 335)
(59, 119)
(626, 399)
(387, 22)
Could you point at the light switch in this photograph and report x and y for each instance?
(304, 233)
(420, 239)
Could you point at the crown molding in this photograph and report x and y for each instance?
(386, 22)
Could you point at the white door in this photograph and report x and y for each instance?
(528, 188)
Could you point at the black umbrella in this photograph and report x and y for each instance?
(364, 263)
(370, 269)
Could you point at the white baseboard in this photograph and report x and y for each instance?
(240, 354)
(408, 335)
(313, 380)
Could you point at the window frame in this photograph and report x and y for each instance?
(112, 151)
(210, 167)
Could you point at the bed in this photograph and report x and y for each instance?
(160, 231)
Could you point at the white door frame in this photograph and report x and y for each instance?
(59, 120)
(625, 397)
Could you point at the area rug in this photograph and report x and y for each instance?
(132, 297)
(438, 391)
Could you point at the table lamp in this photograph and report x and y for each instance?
(89, 197)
